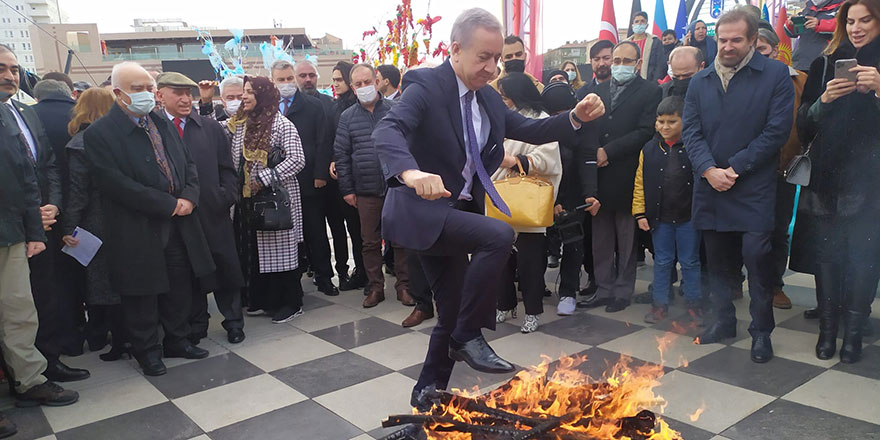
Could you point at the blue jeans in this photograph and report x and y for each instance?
(671, 239)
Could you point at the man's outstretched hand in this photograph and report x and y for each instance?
(428, 186)
(590, 108)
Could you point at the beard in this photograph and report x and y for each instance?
(311, 90)
(603, 73)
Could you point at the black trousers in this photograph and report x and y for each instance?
(530, 260)
(724, 253)
(228, 302)
(339, 216)
(588, 246)
(419, 288)
(145, 313)
(779, 242)
(48, 302)
(466, 292)
(573, 256)
(315, 235)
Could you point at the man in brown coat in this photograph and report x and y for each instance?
(768, 45)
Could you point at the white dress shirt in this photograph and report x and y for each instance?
(482, 127)
(32, 144)
(171, 118)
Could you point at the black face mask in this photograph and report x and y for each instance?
(511, 66)
(680, 86)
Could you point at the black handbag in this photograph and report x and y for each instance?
(800, 168)
(272, 203)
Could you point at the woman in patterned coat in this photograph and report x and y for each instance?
(269, 259)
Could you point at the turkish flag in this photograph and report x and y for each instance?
(608, 28)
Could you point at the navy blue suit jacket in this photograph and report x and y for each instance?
(743, 128)
(424, 131)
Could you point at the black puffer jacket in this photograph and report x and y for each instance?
(357, 163)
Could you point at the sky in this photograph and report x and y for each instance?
(564, 20)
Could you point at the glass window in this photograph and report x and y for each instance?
(79, 41)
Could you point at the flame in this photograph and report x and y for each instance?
(590, 408)
(696, 415)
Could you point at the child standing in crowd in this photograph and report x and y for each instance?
(662, 204)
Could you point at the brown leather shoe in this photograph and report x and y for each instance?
(405, 298)
(780, 300)
(416, 317)
(374, 298)
(47, 393)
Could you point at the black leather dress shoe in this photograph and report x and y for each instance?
(553, 262)
(58, 372)
(425, 398)
(762, 349)
(811, 313)
(327, 288)
(235, 335)
(616, 305)
(479, 355)
(593, 302)
(152, 365)
(186, 352)
(716, 333)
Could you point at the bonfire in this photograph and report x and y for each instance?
(552, 401)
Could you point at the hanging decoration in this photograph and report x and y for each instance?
(226, 59)
(407, 43)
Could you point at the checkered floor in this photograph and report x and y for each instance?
(338, 370)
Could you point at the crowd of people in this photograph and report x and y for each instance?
(678, 147)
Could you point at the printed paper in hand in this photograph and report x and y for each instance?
(86, 249)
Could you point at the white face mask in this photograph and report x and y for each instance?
(141, 102)
(232, 106)
(287, 90)
(572, 75)
(366, 94)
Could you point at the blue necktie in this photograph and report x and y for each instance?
(474, 149)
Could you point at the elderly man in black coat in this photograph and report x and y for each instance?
(209, 147)
(631, 104)
(46, 292)
(155, 246)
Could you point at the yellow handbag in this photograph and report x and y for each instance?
(529, 198)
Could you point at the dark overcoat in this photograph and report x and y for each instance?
(743, 128)
(137, 206)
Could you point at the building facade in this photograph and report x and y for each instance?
(164, 41)
(15, 29)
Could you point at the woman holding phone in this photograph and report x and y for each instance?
(836, 235)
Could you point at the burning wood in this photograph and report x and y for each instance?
(563, 405)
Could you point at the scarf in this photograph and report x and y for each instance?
(727, 73)
(257, 127)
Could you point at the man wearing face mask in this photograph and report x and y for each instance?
(309, 117)
(231, 90)
(628, 124)
(155, 245)
(362, 184)
(670, 42)
(684, 63)
(653, 65)
(514, 58)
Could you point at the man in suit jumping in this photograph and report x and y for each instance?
(438, 147)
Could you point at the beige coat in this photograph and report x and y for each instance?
(544, 161)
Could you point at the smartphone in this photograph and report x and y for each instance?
(799, 21)
(841, 69)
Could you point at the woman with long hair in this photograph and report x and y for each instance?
(530, 259)
(836, 237)
(574, 75)
(83, 209)
(266, 146)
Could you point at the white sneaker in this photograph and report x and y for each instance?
(566, 306)
(504, 315)
(530, 324)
